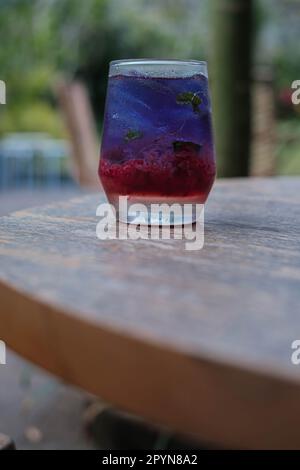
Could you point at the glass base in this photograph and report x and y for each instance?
(160, 212)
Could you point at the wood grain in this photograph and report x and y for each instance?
(198, 341)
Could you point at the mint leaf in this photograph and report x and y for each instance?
(132, 135)
(189, 97)
(181, 146)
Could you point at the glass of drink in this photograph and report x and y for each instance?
(157, 144)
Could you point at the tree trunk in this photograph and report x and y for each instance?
(231, 79)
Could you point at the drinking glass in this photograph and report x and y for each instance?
(157, 144)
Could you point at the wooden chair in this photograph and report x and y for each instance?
(77, 113)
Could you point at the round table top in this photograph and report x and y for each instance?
(199, 341)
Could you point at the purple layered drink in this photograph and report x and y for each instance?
(157, 143)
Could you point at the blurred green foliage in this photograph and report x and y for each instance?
(288, 147)
(37, 117)
(39, 38)
(79, 38)
(42, 38)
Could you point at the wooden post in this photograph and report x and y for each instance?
(76, 109)
(231, 80)
(263, 162)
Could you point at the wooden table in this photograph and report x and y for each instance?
(16, 199)
(197, 341)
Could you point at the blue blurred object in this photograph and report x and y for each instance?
(33, 159)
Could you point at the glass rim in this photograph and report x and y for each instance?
(128, 62)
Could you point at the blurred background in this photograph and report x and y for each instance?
(54, 60)
(50, 46)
